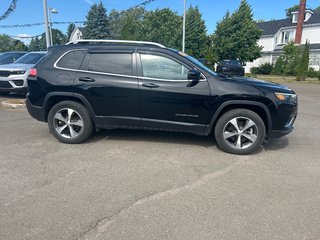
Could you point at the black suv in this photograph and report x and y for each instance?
(231, 67)
(90, 84)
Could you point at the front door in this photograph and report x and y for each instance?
(168, 98)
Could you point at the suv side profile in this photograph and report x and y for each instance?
(93, 84)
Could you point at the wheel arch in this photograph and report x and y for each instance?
(257, 107)
(55, 97)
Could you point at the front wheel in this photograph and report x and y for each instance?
(70, 122)
(240, 131)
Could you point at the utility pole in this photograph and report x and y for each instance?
(46, 22)
(184, 27)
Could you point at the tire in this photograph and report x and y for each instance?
(70, 122)
(240, 131)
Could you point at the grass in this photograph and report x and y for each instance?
(288, 79)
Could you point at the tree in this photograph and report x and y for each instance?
(291, 58)
(70, 29)
(196, 36)
(5, 43)
(278, 67)
(35, 44)
(132, 21)
(292, 9)
(236, 36)
(302, 69)
(97, 25)
(161, 26)
(17, 45)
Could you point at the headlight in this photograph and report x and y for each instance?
(18, 72)
(286, 97)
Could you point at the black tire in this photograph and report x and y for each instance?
(75, 130)
(239, 140)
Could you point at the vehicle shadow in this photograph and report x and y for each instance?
(12, 96)
(153, 136)
(276, 144)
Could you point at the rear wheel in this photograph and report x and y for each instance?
(70, 122)
(240, 131)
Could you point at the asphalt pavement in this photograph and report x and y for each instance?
(125, 184)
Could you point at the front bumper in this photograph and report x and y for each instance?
(35, 111)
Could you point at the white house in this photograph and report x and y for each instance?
(76, 34)
(277, 33)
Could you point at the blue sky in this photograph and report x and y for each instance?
(31, 11)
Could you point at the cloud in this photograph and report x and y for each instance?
(23, 37)
(90, 2)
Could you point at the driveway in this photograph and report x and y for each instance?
(155, 185)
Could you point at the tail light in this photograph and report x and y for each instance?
(33, 72)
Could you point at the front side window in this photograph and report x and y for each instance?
(115, 63)
(155, 66)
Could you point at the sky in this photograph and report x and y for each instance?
(31, 11)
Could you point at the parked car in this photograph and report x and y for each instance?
(10, 57)
(13, 77)
(230, 67)
(90, 85)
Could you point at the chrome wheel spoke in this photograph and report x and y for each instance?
(77, 123)
(238, 143)
(61, 128)
(234, 123)
(73, 133)
(70, 112)
(248, 125)
(59, 117)
(227, 135)
(250, 137)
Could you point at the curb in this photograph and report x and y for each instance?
(14, 104)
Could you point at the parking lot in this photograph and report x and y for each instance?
(125, 184)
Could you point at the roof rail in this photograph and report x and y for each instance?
(114, 41)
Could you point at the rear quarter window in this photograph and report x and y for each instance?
(72, 60)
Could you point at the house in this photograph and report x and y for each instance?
(278, 33)
(76, 34)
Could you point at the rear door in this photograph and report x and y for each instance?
(168, 99)
(108, 80)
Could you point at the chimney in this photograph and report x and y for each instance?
(301, 16)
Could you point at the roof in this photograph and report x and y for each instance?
(272, 27)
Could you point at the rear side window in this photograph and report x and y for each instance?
(115, 63)
(72, 60)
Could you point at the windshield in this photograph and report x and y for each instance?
(30, 58)
(10, 57)
(195, 61)
(231, 62)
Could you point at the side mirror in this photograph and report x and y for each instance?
(194, 75)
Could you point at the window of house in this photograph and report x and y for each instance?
(115, 63)
(315, 59)
(295, 17)
(286, 37)
(155, 66)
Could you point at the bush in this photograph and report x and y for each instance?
(278, 68)
(265, 68)
(312, 73)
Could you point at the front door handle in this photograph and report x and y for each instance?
(150, 85)
(86, 79)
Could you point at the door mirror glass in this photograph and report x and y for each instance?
(194, 75)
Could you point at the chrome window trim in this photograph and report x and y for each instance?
(118, 75)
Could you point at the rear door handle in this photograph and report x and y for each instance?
(150, 85)
(86, 79)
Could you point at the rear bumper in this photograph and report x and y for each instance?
(35, 111)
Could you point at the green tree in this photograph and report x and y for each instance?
(17, 45)
(236, 36)
(292, 9)
(291, 58)
(302, 69)
(132, 21)
(196, 36)
(5, 43)
(70, 29)
(97, 25)
(278, 67)
(35, 44)
(161, 26)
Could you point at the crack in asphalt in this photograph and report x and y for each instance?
(102, 224)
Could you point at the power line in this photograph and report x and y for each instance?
(11, 8)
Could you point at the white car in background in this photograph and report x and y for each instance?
(13, 77)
